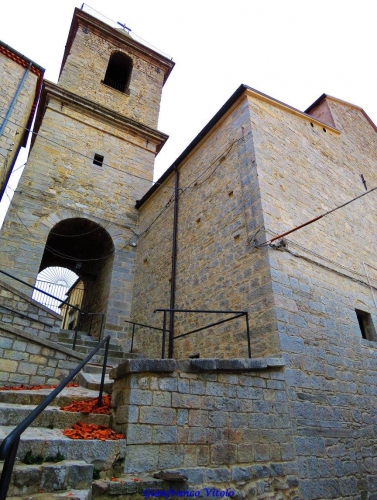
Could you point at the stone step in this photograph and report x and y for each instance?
(93, 381)
(37, 396)
(133, 486)
(49, 442)
(82, 342)
(96, 368)
(70, 333)
(51, 417)
(57, 495)
(114, 353)
(50, 477)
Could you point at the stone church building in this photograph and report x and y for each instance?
(211, 238)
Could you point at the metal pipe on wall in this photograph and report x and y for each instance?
(3, 125)
(173, 262)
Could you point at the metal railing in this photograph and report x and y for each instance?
(133, 330)
(91, 315)
(81, 313)
(238, 314)
(110, 82)
(9, 446)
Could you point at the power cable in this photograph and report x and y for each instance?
(88, 157)
(138, 36)
(319, 256)
(82, 154)
(315, 219)
(103, 223)
(193, 183)
(53, 250)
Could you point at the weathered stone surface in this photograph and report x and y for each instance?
(142, 365)
(236, 364)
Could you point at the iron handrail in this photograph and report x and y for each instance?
(9, 446)
(90, 327)
(38, 289)
(81, 312)
(238, 314)
(133, 323)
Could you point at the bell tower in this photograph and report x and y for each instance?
(92, 156)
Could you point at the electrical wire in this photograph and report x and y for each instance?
(193, 184)
(322, 257)
(39, 135)
(138, 36)
(315, 219)
(53, 250)
(18, 168)
(103, 223)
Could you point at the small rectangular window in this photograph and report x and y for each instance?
(367, 329)
(98, 160)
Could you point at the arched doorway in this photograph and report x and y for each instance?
(87, 249)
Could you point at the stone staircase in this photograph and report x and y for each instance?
(85, 343)
(36, 351)
(79, 460)
(90, 376)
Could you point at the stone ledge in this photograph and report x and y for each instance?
(31, 301)
(28, 337)
(238, 364)
(142, 365)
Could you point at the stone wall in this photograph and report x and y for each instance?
(86, 65)
(11, 75)
(312, 283)
(222, 423)
(319, 281)
(217, 265)
(61, 182)
(30, 360)
(20, 311)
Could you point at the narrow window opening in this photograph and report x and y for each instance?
(98, 160)
(367, 329)
(230, 194)
(118, 73)
(311, 124)
(324, 129)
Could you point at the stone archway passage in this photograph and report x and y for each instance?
(87, 249)
(55, 281)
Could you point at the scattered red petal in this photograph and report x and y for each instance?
(90, 406)
(81, 430)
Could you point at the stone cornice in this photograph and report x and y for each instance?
(81, 18)
(53, 91)
(279, 104)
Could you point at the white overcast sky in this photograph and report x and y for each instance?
(292, 50)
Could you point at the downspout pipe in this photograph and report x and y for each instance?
(173, 262)
(7, 116)
(14, 100)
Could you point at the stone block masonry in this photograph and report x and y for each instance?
(218, 425)
(12, 70)
(243, 422)
(30, 360)
(20, 311)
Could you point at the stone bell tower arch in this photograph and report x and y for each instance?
(92, 157)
